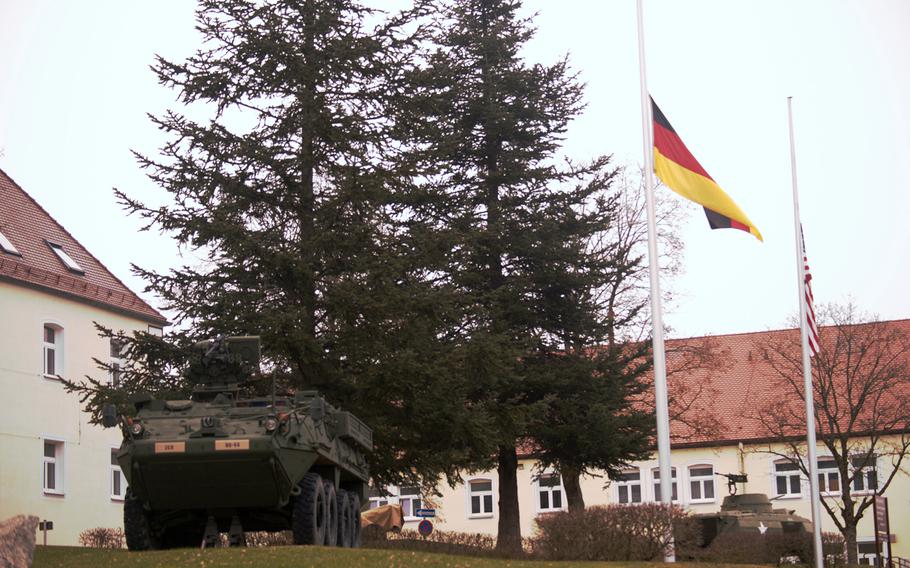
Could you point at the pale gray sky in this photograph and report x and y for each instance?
(75, 87)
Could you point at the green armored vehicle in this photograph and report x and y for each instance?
(218, 463)
(750, 513)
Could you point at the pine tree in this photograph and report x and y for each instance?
(284, 187)
(503, 215)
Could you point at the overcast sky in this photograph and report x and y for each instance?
(75, 87)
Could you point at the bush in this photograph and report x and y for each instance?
(611, 532)
(283, 538)
(443, 542)
(101, 537)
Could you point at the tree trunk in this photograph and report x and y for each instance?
(850, 543)
(508, 539)
(571, 481)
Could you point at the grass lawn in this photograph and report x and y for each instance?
(290, 556)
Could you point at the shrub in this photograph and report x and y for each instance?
(443, 542)
(283, 538)
(101, 537)
(612, 532)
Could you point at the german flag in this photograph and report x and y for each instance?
(681, 172)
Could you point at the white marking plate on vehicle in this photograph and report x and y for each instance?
(170, 447)
(232, 445)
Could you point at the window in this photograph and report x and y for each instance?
(480, 498)
(66, 259)
(52, 467)
(656, 473)
(866, 553)
(408, 497)
(865, 476)
(116, 362)
(377, 498)
(628, 487)
(828, 476)
(118, 481)
(410, 501)
(7, 246)
(787, 479)
(156, 331)
(53, 350)
(549, 492)
(701, 483)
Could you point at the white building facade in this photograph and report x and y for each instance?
(54, 464)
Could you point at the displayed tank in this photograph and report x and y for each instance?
(750, 513)
(219, 463)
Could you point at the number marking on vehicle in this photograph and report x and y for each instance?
(232, 445)
(170, 447)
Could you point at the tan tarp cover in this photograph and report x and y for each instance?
(388, 517)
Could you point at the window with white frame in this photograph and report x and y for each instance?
(65, 258)
(408, 497)
(701, 483)
(867, 555)
(828, 476)
(656, 473)
(410, 501)
(52, 467)
(480, 498)
(53, 350)
(115, 362)
(156, 331)
(7, 246)
(787, 479)
(865, 474)
(378, 498)
(628, 486)
(549, 492)
(118, 481)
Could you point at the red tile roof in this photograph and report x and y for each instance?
(729, 394)
(743, 385)
(29, 228)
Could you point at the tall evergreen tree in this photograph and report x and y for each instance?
(284, 188)
(502, 214)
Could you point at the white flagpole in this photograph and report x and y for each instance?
(660, 363)
(807, 361)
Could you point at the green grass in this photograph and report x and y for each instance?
(291, 556)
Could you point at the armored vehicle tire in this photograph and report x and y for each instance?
(309, 514)
(331, 514)
(136, 527)
(345, 518)
(354, 500)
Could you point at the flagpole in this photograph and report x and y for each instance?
(807, 361)
(660, 363)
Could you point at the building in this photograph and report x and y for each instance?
(733, 392)
(53, 463)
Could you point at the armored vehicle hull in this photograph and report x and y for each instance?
(750, 513)
(218, 463)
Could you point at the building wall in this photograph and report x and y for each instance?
(453, 505)
(36, 408)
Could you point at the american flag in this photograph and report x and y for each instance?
(810, 311)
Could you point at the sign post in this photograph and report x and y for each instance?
(882, 528)
(45, 526)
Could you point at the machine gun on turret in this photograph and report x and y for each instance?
(220, 366)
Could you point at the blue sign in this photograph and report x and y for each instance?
(425, 528)
(425, 513)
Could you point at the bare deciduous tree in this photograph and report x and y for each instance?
(861, 392)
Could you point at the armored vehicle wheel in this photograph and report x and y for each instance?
(136, 525)
(345, 518)
(354, 500)
(309, 515)
(331, 514)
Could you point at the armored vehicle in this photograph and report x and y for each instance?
(219, 463)
(750, 513)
